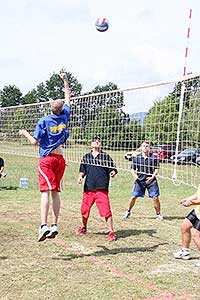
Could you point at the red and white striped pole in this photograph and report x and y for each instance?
(187, 44)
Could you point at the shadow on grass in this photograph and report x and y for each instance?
(9, 188)
(3, 257)
(121, 234)
(169, 218)
(106, 251)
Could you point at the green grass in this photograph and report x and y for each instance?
(187, 174)
(139, 265)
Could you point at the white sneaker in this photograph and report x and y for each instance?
(159, 217)
(127, 215)
(198, 264)
(181, 254)
(3, 175)
(43, 232)
(53, 232)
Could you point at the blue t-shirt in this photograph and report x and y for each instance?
(52, 131)
(145, 167)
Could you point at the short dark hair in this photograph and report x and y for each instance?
(95, 138)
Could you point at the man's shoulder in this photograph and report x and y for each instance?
(153, 156)
(136, 157)
(43, 119)
(104, 154)
(87, 155)
(66, 108)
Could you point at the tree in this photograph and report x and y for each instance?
(54, 86)
(160, 124)
(105, 88)
(41, 92)
(115, 99)
(30, 97)
(10, 96)
(107, 124)
(88, 107)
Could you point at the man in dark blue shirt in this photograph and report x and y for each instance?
(97, 167)
(144, 170)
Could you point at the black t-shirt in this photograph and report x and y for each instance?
(97, 171)
(1, 162)
(145, 167)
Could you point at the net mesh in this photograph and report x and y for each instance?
(166, 114)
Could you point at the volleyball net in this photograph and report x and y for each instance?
(166, 114)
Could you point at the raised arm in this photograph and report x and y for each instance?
(63, 76)
(29, 137)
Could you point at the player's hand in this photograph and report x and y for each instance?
(149, 180)
(63, 75)
(185, 202)
(112, 173)
(80, 180)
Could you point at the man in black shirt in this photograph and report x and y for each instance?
(96, 167)
(2, 174)
(144, 170)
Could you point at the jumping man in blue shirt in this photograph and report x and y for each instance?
(50, 133)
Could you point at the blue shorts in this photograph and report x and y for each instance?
(140, 188)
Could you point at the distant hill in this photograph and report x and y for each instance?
(140, 116)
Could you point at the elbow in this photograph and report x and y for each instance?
(34, 142)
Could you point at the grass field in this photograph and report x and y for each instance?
(139, 265)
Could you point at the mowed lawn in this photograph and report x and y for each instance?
(138, 265)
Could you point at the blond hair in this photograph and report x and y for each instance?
(57, 106)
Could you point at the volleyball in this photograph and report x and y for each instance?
(101, 24)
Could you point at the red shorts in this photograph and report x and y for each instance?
(100, 197)
(50, 172)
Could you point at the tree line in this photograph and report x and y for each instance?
(103, 115)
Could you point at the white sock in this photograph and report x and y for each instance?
(185, 249)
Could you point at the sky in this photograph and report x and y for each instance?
(145, 42)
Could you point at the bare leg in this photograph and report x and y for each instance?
(196, 237)
(44, 207)
(84, 221)
(55, 206)
(131, 202)
(186, 233)
(156, 203)
(109, 221)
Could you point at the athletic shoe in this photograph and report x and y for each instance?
(3, 175)
(53, 232)
(81, 230)
(181, 254)
(43, 232)
(159, 217)
(111, 236)
(198, 264)
(127, 215)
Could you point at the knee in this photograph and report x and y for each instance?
(195, 235)
(185, 227)
(156, 199)
(133, 198)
